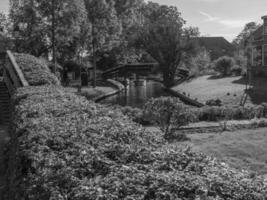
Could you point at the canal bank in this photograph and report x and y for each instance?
(118, 87)
(138, 93)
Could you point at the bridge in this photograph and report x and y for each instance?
(142, 69)
(124, 70)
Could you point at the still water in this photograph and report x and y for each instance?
(137, 94)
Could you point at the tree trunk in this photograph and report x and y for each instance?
(168, 76)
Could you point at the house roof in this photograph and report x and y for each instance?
(217, 46)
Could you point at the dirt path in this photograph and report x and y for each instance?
(3, 139)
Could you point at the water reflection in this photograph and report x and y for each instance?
(137, 94)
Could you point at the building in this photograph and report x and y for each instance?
(258, 46)
(216, 46)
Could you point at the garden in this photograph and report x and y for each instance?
(65, 147)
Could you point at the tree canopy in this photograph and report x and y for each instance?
(164, 37)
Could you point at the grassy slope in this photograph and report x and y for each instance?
(205, 88)
(241, 149)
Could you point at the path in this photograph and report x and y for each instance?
(3, 140)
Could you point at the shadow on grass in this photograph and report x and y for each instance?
(242, 80)
(214, 77)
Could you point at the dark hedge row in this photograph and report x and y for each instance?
(219, 113)
(36, 71)
(64, 147)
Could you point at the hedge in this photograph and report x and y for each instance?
(36, 71)
(64, 147)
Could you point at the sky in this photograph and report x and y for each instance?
(224, 18)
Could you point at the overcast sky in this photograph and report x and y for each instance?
(213, 17)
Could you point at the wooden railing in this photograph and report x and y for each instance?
(13, 76)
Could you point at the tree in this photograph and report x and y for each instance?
(105, 28)
(33, 21)
(165, 39)
(240, 42)
(200, 63)
(224, 65)
(3, 24)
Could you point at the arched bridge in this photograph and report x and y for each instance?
(142, 69)
(126, 69)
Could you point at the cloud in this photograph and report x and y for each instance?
(228, 23)
(234, 23)
(209, 1)
(209, 18)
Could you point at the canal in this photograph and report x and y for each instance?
(137, 94)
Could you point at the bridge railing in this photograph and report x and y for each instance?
(13, 76)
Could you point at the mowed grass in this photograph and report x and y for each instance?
(229, 89)
(243, 149)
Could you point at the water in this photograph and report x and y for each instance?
(137, 95)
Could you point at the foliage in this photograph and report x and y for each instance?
(237, 70)
(135, 114)
(223, 65)
(164, 38)
(81, 150)
(199, 64)
(35, 70)
(104, 24)
(167, 113)
(4, 24)
(33, 23)
(219, 113)
(214, 102)
(241, 61)
(241, 41)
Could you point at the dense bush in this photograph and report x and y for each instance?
(65, 147)
(200, 64)
(135, 114)
(223, 65)
(216, 113)
(214, 102)
(167, 113)
(36, 71)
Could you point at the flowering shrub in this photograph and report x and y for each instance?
(36, 71)
(65, 147)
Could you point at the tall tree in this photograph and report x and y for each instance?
(240, 41)
(164, 37)
(105, 29)
(33, 21)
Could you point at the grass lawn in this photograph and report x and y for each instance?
(243, 149)
(229, 90)
(91, 92)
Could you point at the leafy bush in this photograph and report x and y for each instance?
(200, 64)
(136, 114)
(216, 113)
(36, 72)
(214, 102)
(223, 65)
(167, 113)
(65, 147)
